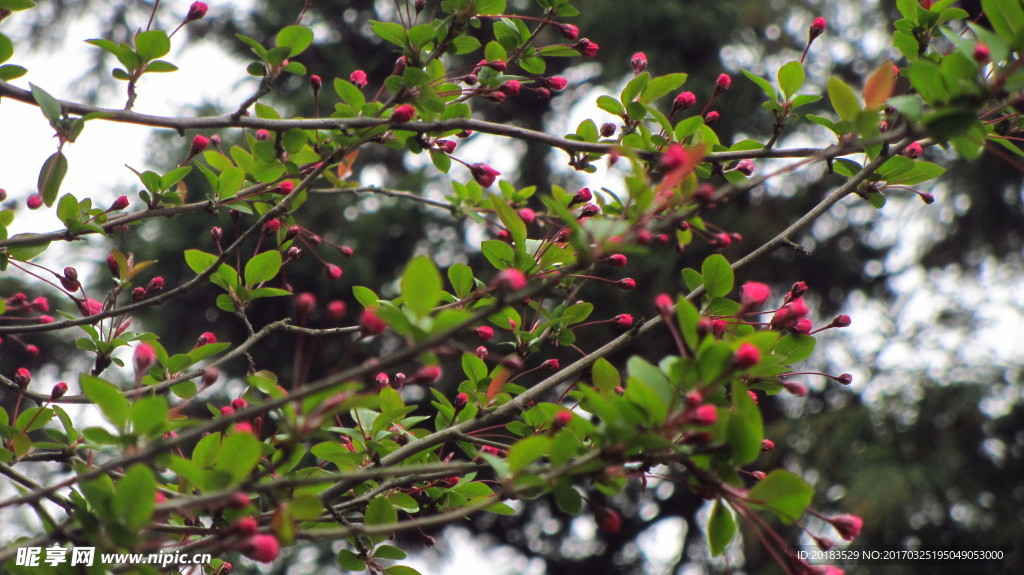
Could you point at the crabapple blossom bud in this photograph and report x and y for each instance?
(239, 403)
(461, 400)
(527, 215)
(332, 272)
(89, 306)
(262, 135)
(58, 391)
(562, 418)
(608, 520)
(747, 356)
(589, 210)
(482, 352)
(926, 197)
(358, 78)
(607, 130)
(798, 289)
(155, 285)
(913, 151)
(705, 415)
(196, 11)
(215, 140)
(403, 113)
(718, 327)
(22, 377)
(639, 63)
(616, 260)
(119, 204)
(623, 321)
(512, 88)
(754, 294)
(346, 251)
(400, 65)
(723, 83)
(982, 53)
(138, 294)
(841, 320)
(305, 303)
(817, 28)
(683, 101)
(286, 187)
(34, 201)
(238, 500)
(556, 83)
(216, 233)
(262, 547)
(569, 32)
(663, 303)
(199, 143)
(626, 284)
(721, 241)
(795, 388)
(370, 324)
(446, 146)
(711, 118)
(242, 427)
(759, 475)
(586, 47)
(753, 396)
(845, 379)
(484, 333)
(484, 174)
(270, 227)
(427, 374)
(509, 279)
(336, 310)
(498, 97)
(205, 338)
(43, 319)
(803, 326)
(382, 380)
(227, 411)
(581, 197)
(847, 525)
(40, 304)
(471, 79)
(551, 365)
(3, 194)
(315, 82)
(745, 167)
(144, 358)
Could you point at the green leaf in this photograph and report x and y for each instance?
(67, 209)
(1006, 18)
(662, 85)
(161, 66)
(149, 415)
(784, 493)
(461, 277)
(262, 267)
(380, 512)
(16, 5)
(295, 38)
(921, 171)
(692, 278)
(51, 175)
(10, 72)
(421, 286)
(721, 528)
(349, 561)
(611, 105)
(718, 275)
(525, 452)
(498, 253)
(47, 104)
(765, 85)
(844, 100)
(390, 31)
(791, 78)
(6, 48)
(152, 44)
(389, 552)
(199, 261)
(489, 7)
(745, 429)
(510, 219)
(109, 399)
(25, 253)
(688, 316)
(400, 570)
(794, 348)
(239, 455)
(135, 497)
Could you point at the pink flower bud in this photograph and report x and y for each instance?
(427, 374)
(199, 143)
(527, 215)
(58, 391)
(745, 167)
(586, 48)
(608, 520)
(616, 260)
(403, 113)
(639, 63)
(370, 324)
(461, 400)
(795, 388)
(242, 427)
(683, 101)
(589, 210)
(664, 304)
(754, 294)
(845, 379)
(196, 11)
(759, 475)
(262, 135)
(848, 526)
(89, 306)
(556, 83)
(315, 82)
(210, 376)
(40, 304)
(623, 321)
(767, 445)
(512, 88)
(446, 146)
(286, 187)
(271, 226)
(239, 403)
(31, 350)
(22, 377)
(246, 526)
(747, 356)
(216, 233)
(817, 28)
(227, 411)
(607, 130)
(332, 272)
(581, 197)
(34, 201)
(238, 500)
(625, 284)
(144, 358)
(569, 32)
(723, 83)
(841, 320)
(261, 547)
(484, 333)
(803, 326)
(336, 310)
(551, 365)
(711, 118)
(205, 338)
(155, 285)
(305, 303)
(138, 294)
(562, 418)
(358, 78)
(509, 279)
(484, 174)
(44, 319)
(913, 151)
(119, 204)
(705, 415)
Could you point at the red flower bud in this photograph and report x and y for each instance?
(639, 63)
(509, 279)
(551, 365)
(446, 146)
(683, 101)
(332, 272)
(370, 324)
(40, 304)
(403, 113)
(608, 520)
(239, 403)
(848, 526)
(89, 306)
(144, 358)
(336, 310)
(556, 83)
(711, 118)
(119, 204)
(747, 356)
(616, 260)
(570, 32)
(305, 303)
(623, 321)
(664, 304)
(484, 174)
(705, 415)
(841, 320)
(803, 326)
(754, 294)
(205, 338)
(512, 88)
(817, 28)
(759, 475)
(216, 233)
(196, 11)
(58, 391)
(607, 130)
(199, 143)
(315, 82)
(286, 187)
(767, 445)
(581, 197)
(913, 151)
(845, 379)
(562, 418)
(626, 284)
(155, 285)
(261, 547)
(527, 215)
(358, 78)
(227, 411)
(723, 83)
(382, 380)
(484, 333)
(427, 374)
(262, 135)
(43, 319)
(271, 226)
(34, 201)
(461, 400)
(745, 167)
(586, 48)
(22, 377)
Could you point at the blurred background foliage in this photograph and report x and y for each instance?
(927, 444)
